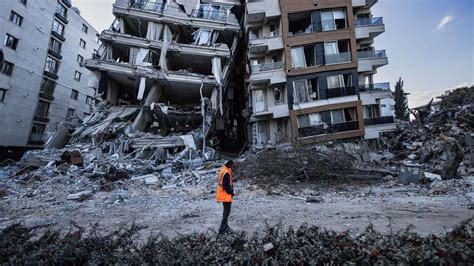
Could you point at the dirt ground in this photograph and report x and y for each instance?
(387, 205)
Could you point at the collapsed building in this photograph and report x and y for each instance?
(175, 59)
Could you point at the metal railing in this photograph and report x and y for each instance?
(266, 67)
(328, 129)
(61, 10)
(217, 15)
(379, 120)
(42, 110)
(372, 54)
(149, 5)
(55, 47)
(52, 66)
(368, 22)
(375, 87)
(37, 137)
(340, 92)
(337, 58)
(47, 87)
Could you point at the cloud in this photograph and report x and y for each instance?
(417, 98)
(444, 21)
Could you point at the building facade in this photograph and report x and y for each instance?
(310, 75)
(42, 82)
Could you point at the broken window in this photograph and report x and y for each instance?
(212, 12)
(277, 95)
(337, 116)
(333, 19)
(261, 132)
(202, 36)
(313, 89)
(310, 55)
(259, 101)
(300, 91)
(300, 23)
(253, 33)
(42, 109)
(350, 114)
(77, 76)
(152, 5)
(70, 113)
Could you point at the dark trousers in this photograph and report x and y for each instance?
(225, 217)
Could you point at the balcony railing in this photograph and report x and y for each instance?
(372, 54)
(328, 129)
(37, 137)
(217, 15)
(55, 47)
(375, 87)
(342, 91)
(271, 34)
(379, 120)
(368, 22)
(152, 5)
(337, 58)
(266, 67)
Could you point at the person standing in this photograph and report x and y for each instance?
(225, 193)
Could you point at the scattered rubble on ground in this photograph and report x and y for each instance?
(303, 245)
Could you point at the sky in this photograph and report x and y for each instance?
(429, 43)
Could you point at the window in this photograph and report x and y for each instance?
(337, 52)
(96, 39)
(61, 10)
(77, 76)
(22, 2)
(74, 94)
(2, 95)
(52, 65)
(202, 36)
(15, 18)
(300, 91)
(82, 43)
(88, 99)
(261, 132)
(277, 95)
(85, 28)
(337, 116)
(259, 100)
(55, 46)
(11, 41)
(253, 33)
(58, 27)
(80, 58)
(37, 132)
(7, 68)
(70, 113)
(47, 86)
(298, 57)
(42, 109)
(333, 20)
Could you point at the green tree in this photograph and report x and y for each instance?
(401, 102)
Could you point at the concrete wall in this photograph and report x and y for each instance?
(16, 112)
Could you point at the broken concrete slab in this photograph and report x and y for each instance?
(80, 196)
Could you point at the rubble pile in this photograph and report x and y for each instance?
(304, 245)
(316, 162)
(441, 142)
(105, 149)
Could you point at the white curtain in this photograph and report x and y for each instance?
(259, 101)
(204, 37)
(327, 21)
(339, 14)
(303, 121)
(336, 81)
(261, 132)
(300, 90)
(141, 89)
(337, 116)
(314, 119)
(141, 56)
(352, 114)
(297, 57)
(132, 59)
(154, 31)
(217, 69)
(167, 36)
(330, 48)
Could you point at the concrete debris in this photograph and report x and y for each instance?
(80, 196)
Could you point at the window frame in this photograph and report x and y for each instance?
(18, 21)
(85, 28)
(81, 57)
(81, 41)
(74, 94)
(76, 77)
(8, 36)
(70, 113)
(60, 25)
(3, 92)
(7, 65)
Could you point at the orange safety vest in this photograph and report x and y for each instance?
(221, 195)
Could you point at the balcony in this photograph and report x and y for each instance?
(214, 15)
(266, 67)
(379, 120)
(37, 138)
(270, 42)
(371, 60)
(55, 49)
(369, 27)
(363, 3)
(328, 129)
(385, 86)
(261, 10)
(344, 57)
(155, 6)
(341, 92)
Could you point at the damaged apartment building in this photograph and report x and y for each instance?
(176, 59)
(310, 71)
